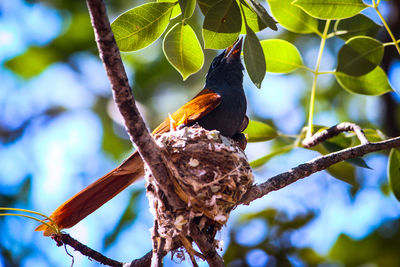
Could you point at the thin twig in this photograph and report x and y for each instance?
(318, 164)
(333, 131)
(66, 239)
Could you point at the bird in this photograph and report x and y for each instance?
(220, 105)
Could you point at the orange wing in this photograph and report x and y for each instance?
(195, 109)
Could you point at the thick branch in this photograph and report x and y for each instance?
(123, 96)
(318, 164)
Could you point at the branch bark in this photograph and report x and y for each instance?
(85, 250)
(206, 247)
(318, 164)
(136, 128)
(333, 131)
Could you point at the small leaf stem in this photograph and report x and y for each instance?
(326, 72)
(314, 84)
(391, 43)
(396, 42)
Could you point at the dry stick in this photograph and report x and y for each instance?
(140, 136)
(333, 131)
(318, 164)
(85, 250)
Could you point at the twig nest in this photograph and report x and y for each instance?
(211, 174)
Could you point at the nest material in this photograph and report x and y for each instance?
(211, 174)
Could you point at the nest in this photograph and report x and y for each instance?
(211, 174)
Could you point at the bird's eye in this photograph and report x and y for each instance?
(214, 64)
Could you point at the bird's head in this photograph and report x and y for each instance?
(227, 66)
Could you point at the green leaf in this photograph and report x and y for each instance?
(331, 9)
(356, 26)
(374, 135)
(176, 11)
(33, 61)
(394, 172)
(359, 55)
(222, 25)
(252, 19)
(345, 172)
(263, 14)
(183, 50)
(293, 18)
(205, 5)
(142, 25)
(333, 147)
(281, 56)
(188, 7)
(372, 83)
(254, 58)
(258, 131)
(261, 161)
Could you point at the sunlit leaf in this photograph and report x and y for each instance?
(254, 57)
(142, 25)
(187, 7)
(374, 135)
(394, 172)
(176, 11)
(356, 26)
(183, 50)
(331, 9)
(372, 83)
(281, 56)
(263, 14)
(292, 17)
(359, 55)
(252, 19)
(259, 131)
(222, 24)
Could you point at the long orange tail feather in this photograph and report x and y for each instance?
(95, 195)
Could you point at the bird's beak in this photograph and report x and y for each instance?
(233, 52)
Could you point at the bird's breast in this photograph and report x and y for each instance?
(228, 116)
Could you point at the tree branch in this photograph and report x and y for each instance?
(318, 164)
(144, 261)
(333, 131)
(136, 128)
(85, 250)
(206, 247)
